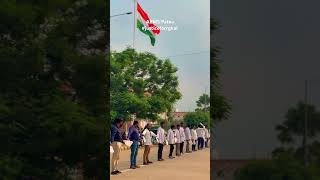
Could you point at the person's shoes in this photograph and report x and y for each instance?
(160, 159)
(149, 162)
(114, 173)
(132, 167)
(136, 166)
(171, 157)
(118, 172)
(145, 163)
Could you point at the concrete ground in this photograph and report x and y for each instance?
(195, 165)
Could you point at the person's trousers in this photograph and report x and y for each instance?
(160, 149)
(115, 155)
(195, 144)
(171, 150)
(188, 146)
(193, 147)
(202, 143)
(181, 147)
(178, 149)
(199, 142)
(134, 153)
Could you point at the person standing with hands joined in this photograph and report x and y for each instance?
(183, 137)
(161, 140)
(178, 140)
(194, 138)
(134, 136)
(188, 138)
(171, 140)
(147, 134)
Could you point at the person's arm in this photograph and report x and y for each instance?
(153, 134)
(158, 133)
(130, 132)
(144, 132)
(113, 133)
(121, 139)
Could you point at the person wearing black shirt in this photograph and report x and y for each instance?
(116, 140)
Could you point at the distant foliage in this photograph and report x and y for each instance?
(52, 88)
(220, 108)
(195, 118)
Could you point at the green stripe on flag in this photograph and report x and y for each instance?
(142, 28)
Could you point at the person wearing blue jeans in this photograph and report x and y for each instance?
(134, 136)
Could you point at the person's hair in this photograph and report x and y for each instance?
(172, 126)
(135, 122)
(181, 123)
(199, 126)
(178, 125)
(117, 120)
(162, 123)
(146, 126)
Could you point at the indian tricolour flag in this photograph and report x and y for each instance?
(145, 25)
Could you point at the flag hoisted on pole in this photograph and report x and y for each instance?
(144, 24)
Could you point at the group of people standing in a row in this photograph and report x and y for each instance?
(178, 137)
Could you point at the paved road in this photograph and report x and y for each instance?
(189, 166)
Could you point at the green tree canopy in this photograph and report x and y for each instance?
(293, 126)
(203, 103)
(195, 118)
(142, 85)
(52, 87)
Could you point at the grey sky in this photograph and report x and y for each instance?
(269, 48)
(192, 19)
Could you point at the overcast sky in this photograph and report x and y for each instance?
(269, 48)
(192, 18)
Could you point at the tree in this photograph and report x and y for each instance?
(221, 107)
(195, 118)
(141, 85)
(293, 126)
(292, 130)
(203, 103)
(52, 88)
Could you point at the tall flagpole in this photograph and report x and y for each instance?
(134, 22)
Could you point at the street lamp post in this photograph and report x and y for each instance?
(127, 13)
(305, 134)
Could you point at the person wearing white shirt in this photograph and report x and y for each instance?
(200, 134)
(187, 133)
(161, 140)
(183, 137)
(147, 135)
(194, 138)
(178, 140)
(171, 140)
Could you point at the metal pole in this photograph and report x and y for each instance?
(134, 22)
(305, 135)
